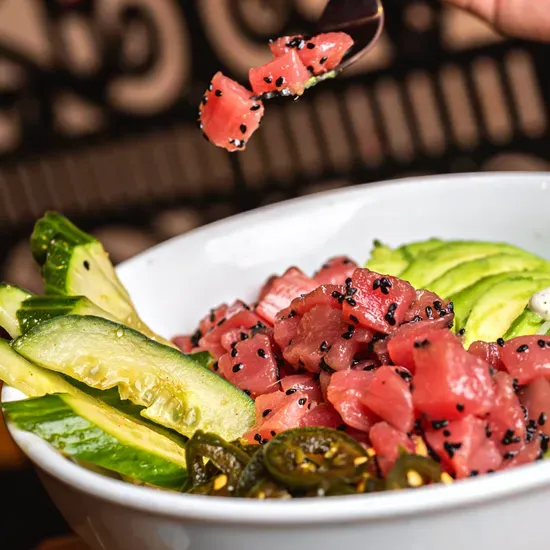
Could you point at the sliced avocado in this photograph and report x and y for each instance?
(495, 311)
(175, 391)
(37, 309)
(385, 260)
(465, 300)
(431, 265)
(468, 273)
(116, 441)
(526, 324)
(73, 263)
(11, 298)
(413, 250)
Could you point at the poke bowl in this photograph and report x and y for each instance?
(482, 504)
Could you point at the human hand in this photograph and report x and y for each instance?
(529, 19)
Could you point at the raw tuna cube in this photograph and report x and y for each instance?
(386, 441)
(285, 73)
(379, 303)
(527, 358)
(229, 114)
(346, 392)
(449, 382)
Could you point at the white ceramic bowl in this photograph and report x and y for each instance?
(176, 282)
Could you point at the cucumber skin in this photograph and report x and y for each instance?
(52, 418)
(41, 345)
(38, 309)
(11, 297)
(51, 228)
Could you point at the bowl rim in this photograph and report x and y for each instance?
(346, 509)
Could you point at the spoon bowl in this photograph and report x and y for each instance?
(363, 20)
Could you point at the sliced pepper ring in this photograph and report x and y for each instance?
(308, 457)
(204, 450)
(420, 470)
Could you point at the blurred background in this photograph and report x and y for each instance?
(98, 102)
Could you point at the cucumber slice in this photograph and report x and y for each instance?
(136, 433)
(468, 273)
(87, 433)
(176, 391)
(431, 265)
(37, 309)
(11, 298)
(526, 324)
(495, 311)
(465, 300)
(386, 261)
(74, 263)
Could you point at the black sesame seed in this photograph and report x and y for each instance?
(243, 128)
(515, 385)
(352, 302)
(237, 367)
(323, 60)
(323, 346)
(437, 305)
(336, 294)
(244, 336)
(221, 321)
(541, 343)
(255, 107)
(500, 342)
(462, 331)
(266, 412)
(210, 87)
(451, 448)
(347, 335)
(233, 352)
(212, 316)
(523, 348)
(421, 343)
(509, 438)
(429, 312)
(488, 432)
(279, 82)
(273, 433)
(302, 401)
(258, 438)
(509, 455)
(544, 439)
(384, 290)
(204, 100)
(446, 433)
(354, 319)
(310, 68)
(268, 79)
(261, 353)
(404, 374)
(541, 421)
(438, 424)
(376, 284)
(450, 307)
(291, 314)
(218, 93)
(474, 473)
(291, 391)
(348, 281)
(310, 46)
(215, 366)
(197, 335)
(460, 407)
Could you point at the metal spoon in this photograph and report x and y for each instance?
(363, 20)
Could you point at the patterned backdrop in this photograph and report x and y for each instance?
(98, 102)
